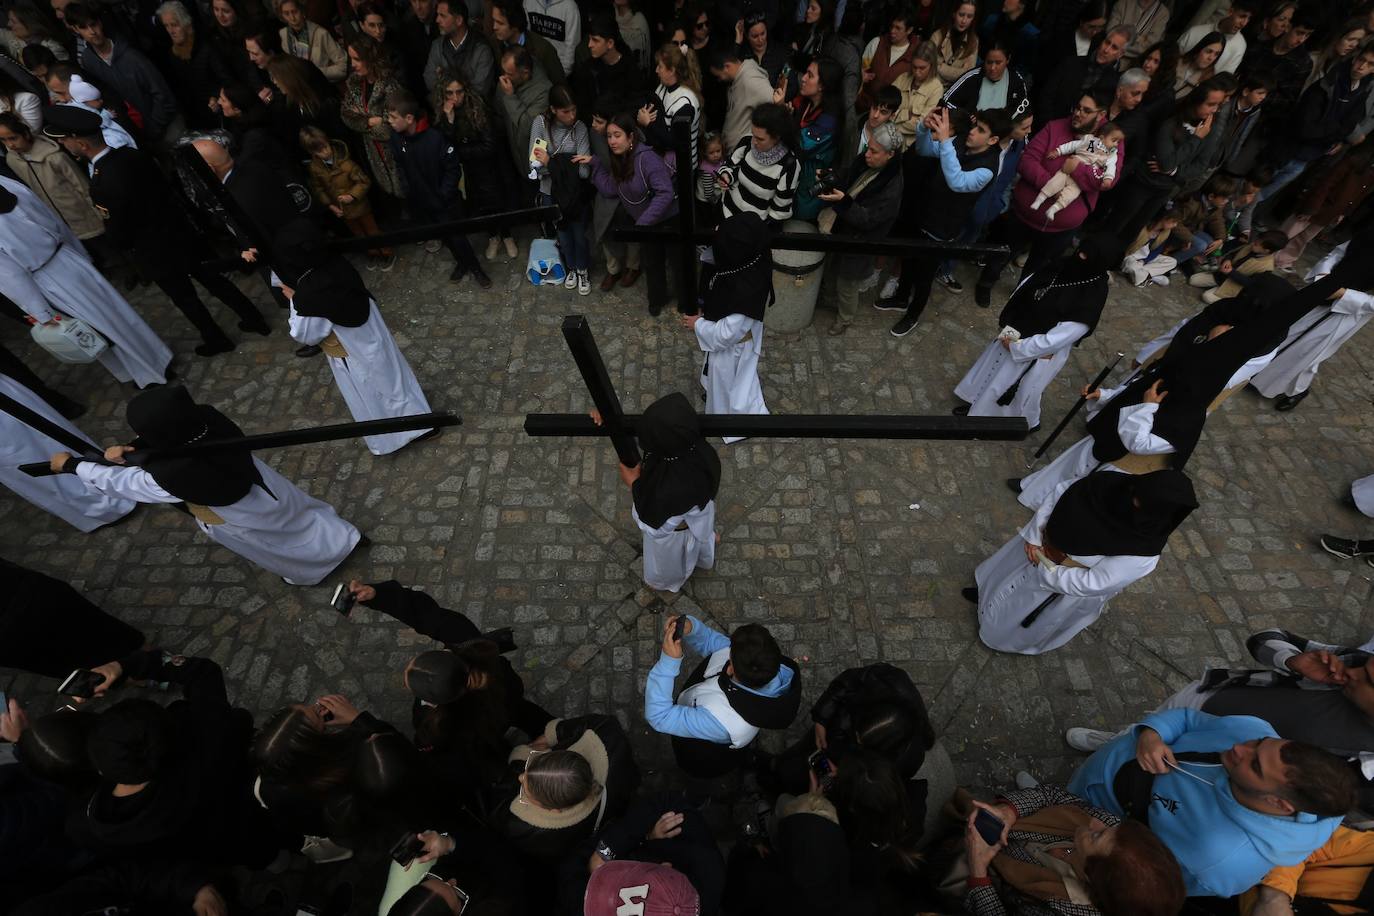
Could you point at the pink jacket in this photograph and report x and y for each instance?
(1036, 170)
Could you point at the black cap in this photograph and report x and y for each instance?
(70, 121)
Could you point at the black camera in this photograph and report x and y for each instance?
(826, 182)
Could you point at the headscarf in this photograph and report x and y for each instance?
(166, 417)
(680, 470)
(1099, 514)
(1075, 290)
(326, 284)
(743, 279)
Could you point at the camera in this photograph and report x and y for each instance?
(826, 182)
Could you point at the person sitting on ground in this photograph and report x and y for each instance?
(743, 684)
(1240, 267)
(1334, 879)
(1228, 796)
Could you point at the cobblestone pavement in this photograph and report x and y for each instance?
(851, 552)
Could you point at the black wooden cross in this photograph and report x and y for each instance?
(620, 426)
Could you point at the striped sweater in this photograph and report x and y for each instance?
(766, 190)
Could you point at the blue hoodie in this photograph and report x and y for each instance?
(1223, 847)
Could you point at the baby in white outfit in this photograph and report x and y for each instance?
(1098, 151)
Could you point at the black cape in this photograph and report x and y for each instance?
(742, 282)
(167, 417)
(326, 284)
(1109, 513)
(680, 470)
(1075, 290)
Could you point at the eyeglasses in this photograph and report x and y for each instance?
(1079, 109)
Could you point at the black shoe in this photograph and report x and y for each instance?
(459, 272)
(655, 309)
(207, 349)
(961, 410)
(970, 594)
(895, 304)
(1285, 402)
(1014, 485)
(255, 327)
(982, 296)
(903, 327)
(1033, 430)
(481, 277)
(308, 350)
(948, 282)
(434, 433)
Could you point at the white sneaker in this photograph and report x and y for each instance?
(570, 281)
(433, 245)
(1160, 280)
(322, 850)
(584, 285)
(889, 288)
(870, 281)
(511, 249)
(1086, 740)
(1202, 280)
(492, 244)
(1025, 780)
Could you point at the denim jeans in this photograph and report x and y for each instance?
(1200, 242)
(572, 240)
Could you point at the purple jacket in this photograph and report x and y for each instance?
(647, 195)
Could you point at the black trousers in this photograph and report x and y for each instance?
(176, 284)
(1135, 205)
(1043, 247)
(461, 249)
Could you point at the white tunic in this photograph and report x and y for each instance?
(730, 373)
(1135, 426)
(1010, 588)
(293, 535)
(671, 555)
(998, 369)
(62, 494)
(1362, 491)
(1293, 370)
(375, 380)
(43, 267)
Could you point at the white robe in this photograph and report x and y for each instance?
(1010, 588)
(294, 535)
(671, 555)
(62, 494)
(43, 267)
(1362, 491)
(998, 369)
(375, 380)
(730, 373)
(1294, 369)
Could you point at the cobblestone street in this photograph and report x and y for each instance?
(851, 552)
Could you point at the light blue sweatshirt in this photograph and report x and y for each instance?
(663, 715)
(1223, 847)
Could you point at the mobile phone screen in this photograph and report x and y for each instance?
(80, 683)
(989, 827)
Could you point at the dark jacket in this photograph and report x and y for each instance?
(963, 94)
(430, 170)
(1070, 80)
(416, 38)
(994, 200)
(592, 79)
(143, 214)
(1327, 113)
(857, 689)
(869, 215)
(137, 80)
(197, 80)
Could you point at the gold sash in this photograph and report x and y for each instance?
(204, 514)
(331, 347)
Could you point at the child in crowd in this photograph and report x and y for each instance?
(1098, 151)
(1147, 259)
(1242, 266)
(556, 137)
(1202, 227)
(885, 104)
(707, 192)
(341, 185)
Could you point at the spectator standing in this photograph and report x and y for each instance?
(845, 47)
(640, 179)
(1229, 147)
(563, 181)
(1146, 19)
(673, 115)
(634, 29)
(24, 28)
(819, 121)
(375, 22)
(1197, 63)
(760, 174)
(992, 86)
(865, 203)
(748, 89)
(957, 42)
(363, 110)
(228, 29)
(1160, 64)
(430, 172)
(1339, 49)
(763, 50)
(920, 90)
(308, 41)
(341, 186)
(1229, 28)
(249, 124)
(887, 57)
(560, 23)
(417, 34)
(510, 28)
(459, 50)
(966, 165)
(1013, 29)
(609, 68)
(1055, 49)
(194, 67)
(1092, 74)
(1336, 195)
(113, 62)
(523, 95)
(811, 34)
(303, 97)
(469, 124)
(1286, 62)
(39, 163)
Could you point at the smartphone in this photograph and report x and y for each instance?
(81, 683)
(406, 849)
(539, 143)
(678, 626)
(343, 599)
(989, 827)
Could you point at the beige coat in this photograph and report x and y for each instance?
(324, 51)
(57, 180)
(1259, 264)
(951, 67)
(749, 90)
(916, 104)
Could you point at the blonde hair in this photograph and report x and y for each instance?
(684, 65)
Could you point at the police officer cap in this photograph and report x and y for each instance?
(70, 121)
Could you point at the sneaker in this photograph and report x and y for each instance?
(433, 245)
(584, 283)
(838, 327)
(570, 281)
(1342, 547)
(889, 288)
(371, 263)
(1087, 740)
(946, 279)
(492, 244)
(1160, 280)
(482, 279)
(511, 248)
(322, 850)
(890, 304)
(903, 327)
(1025, 780)
(1202, 280)
(870, 281)
(387, 262)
